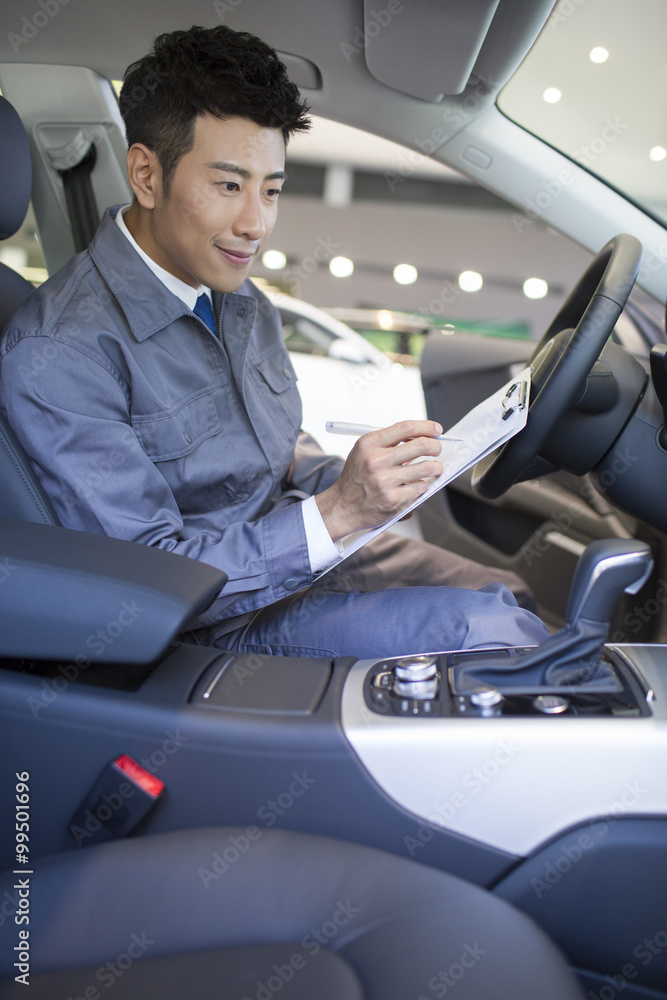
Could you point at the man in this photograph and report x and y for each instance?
(149, 383)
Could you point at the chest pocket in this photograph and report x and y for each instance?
(204, 468)
(277, 385)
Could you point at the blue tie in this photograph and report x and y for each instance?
(204, 310)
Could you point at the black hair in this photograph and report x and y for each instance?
(217, 71)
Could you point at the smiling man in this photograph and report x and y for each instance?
(149, 383)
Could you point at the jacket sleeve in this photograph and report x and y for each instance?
(312, 470)
(71, 415)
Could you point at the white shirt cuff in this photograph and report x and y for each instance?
(323, 552)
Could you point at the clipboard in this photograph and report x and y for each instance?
(486, 427)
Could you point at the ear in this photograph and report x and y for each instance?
(144, 174)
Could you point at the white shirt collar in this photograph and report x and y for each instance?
(186, 293)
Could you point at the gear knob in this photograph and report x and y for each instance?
(606, 569)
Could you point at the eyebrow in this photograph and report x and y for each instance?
(234, 168)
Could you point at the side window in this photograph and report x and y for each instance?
(304, 336)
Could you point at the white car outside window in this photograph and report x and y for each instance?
(344, 377)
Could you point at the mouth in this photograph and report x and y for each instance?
(237, 258)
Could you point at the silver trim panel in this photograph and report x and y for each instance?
(513, 783)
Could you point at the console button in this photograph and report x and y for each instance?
(487, 700)
(551, 704)
(417, 689)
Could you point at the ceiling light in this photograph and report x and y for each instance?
(470, 281)
(658, 153)
(405, 274)
(552, 95)
(535, 288)
(275, 260)
(598, 54)
(385, 321)
(341, 267)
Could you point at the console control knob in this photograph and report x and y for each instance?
(416, 668)
(417, 689)
(487, 700)
(416, 677)
(551, 704)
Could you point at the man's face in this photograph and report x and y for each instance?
(222, 203)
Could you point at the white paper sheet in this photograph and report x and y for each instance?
(485, 428)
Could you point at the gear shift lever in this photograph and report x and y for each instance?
(606, 569)
(572, 656)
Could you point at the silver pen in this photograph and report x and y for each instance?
(356, 430)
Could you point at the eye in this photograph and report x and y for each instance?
(273, 192)
(229, 186)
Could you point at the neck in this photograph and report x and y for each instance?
(139, 222)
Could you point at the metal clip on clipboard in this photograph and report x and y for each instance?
(519, 403)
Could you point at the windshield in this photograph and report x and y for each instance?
(594, 85)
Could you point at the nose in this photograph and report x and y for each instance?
(252, 218)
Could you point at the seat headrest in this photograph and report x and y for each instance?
(15, 171)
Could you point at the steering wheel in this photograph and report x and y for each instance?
(562, 360)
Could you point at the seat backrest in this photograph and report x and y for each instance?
(21, 496)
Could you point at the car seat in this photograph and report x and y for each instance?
(243, 913)
(21, 495)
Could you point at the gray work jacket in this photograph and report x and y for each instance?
(142, 426)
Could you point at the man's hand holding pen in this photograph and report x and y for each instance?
(386, 471)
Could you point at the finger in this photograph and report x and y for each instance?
(419, 447)
(411, 473)
(373, 457)
(406, 430)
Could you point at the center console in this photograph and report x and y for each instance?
(511, 768)
(509, 747)
(429, 686)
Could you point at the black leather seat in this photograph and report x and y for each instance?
(249, 913)
(21, 496)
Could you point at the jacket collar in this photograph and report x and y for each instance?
(146, 302)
